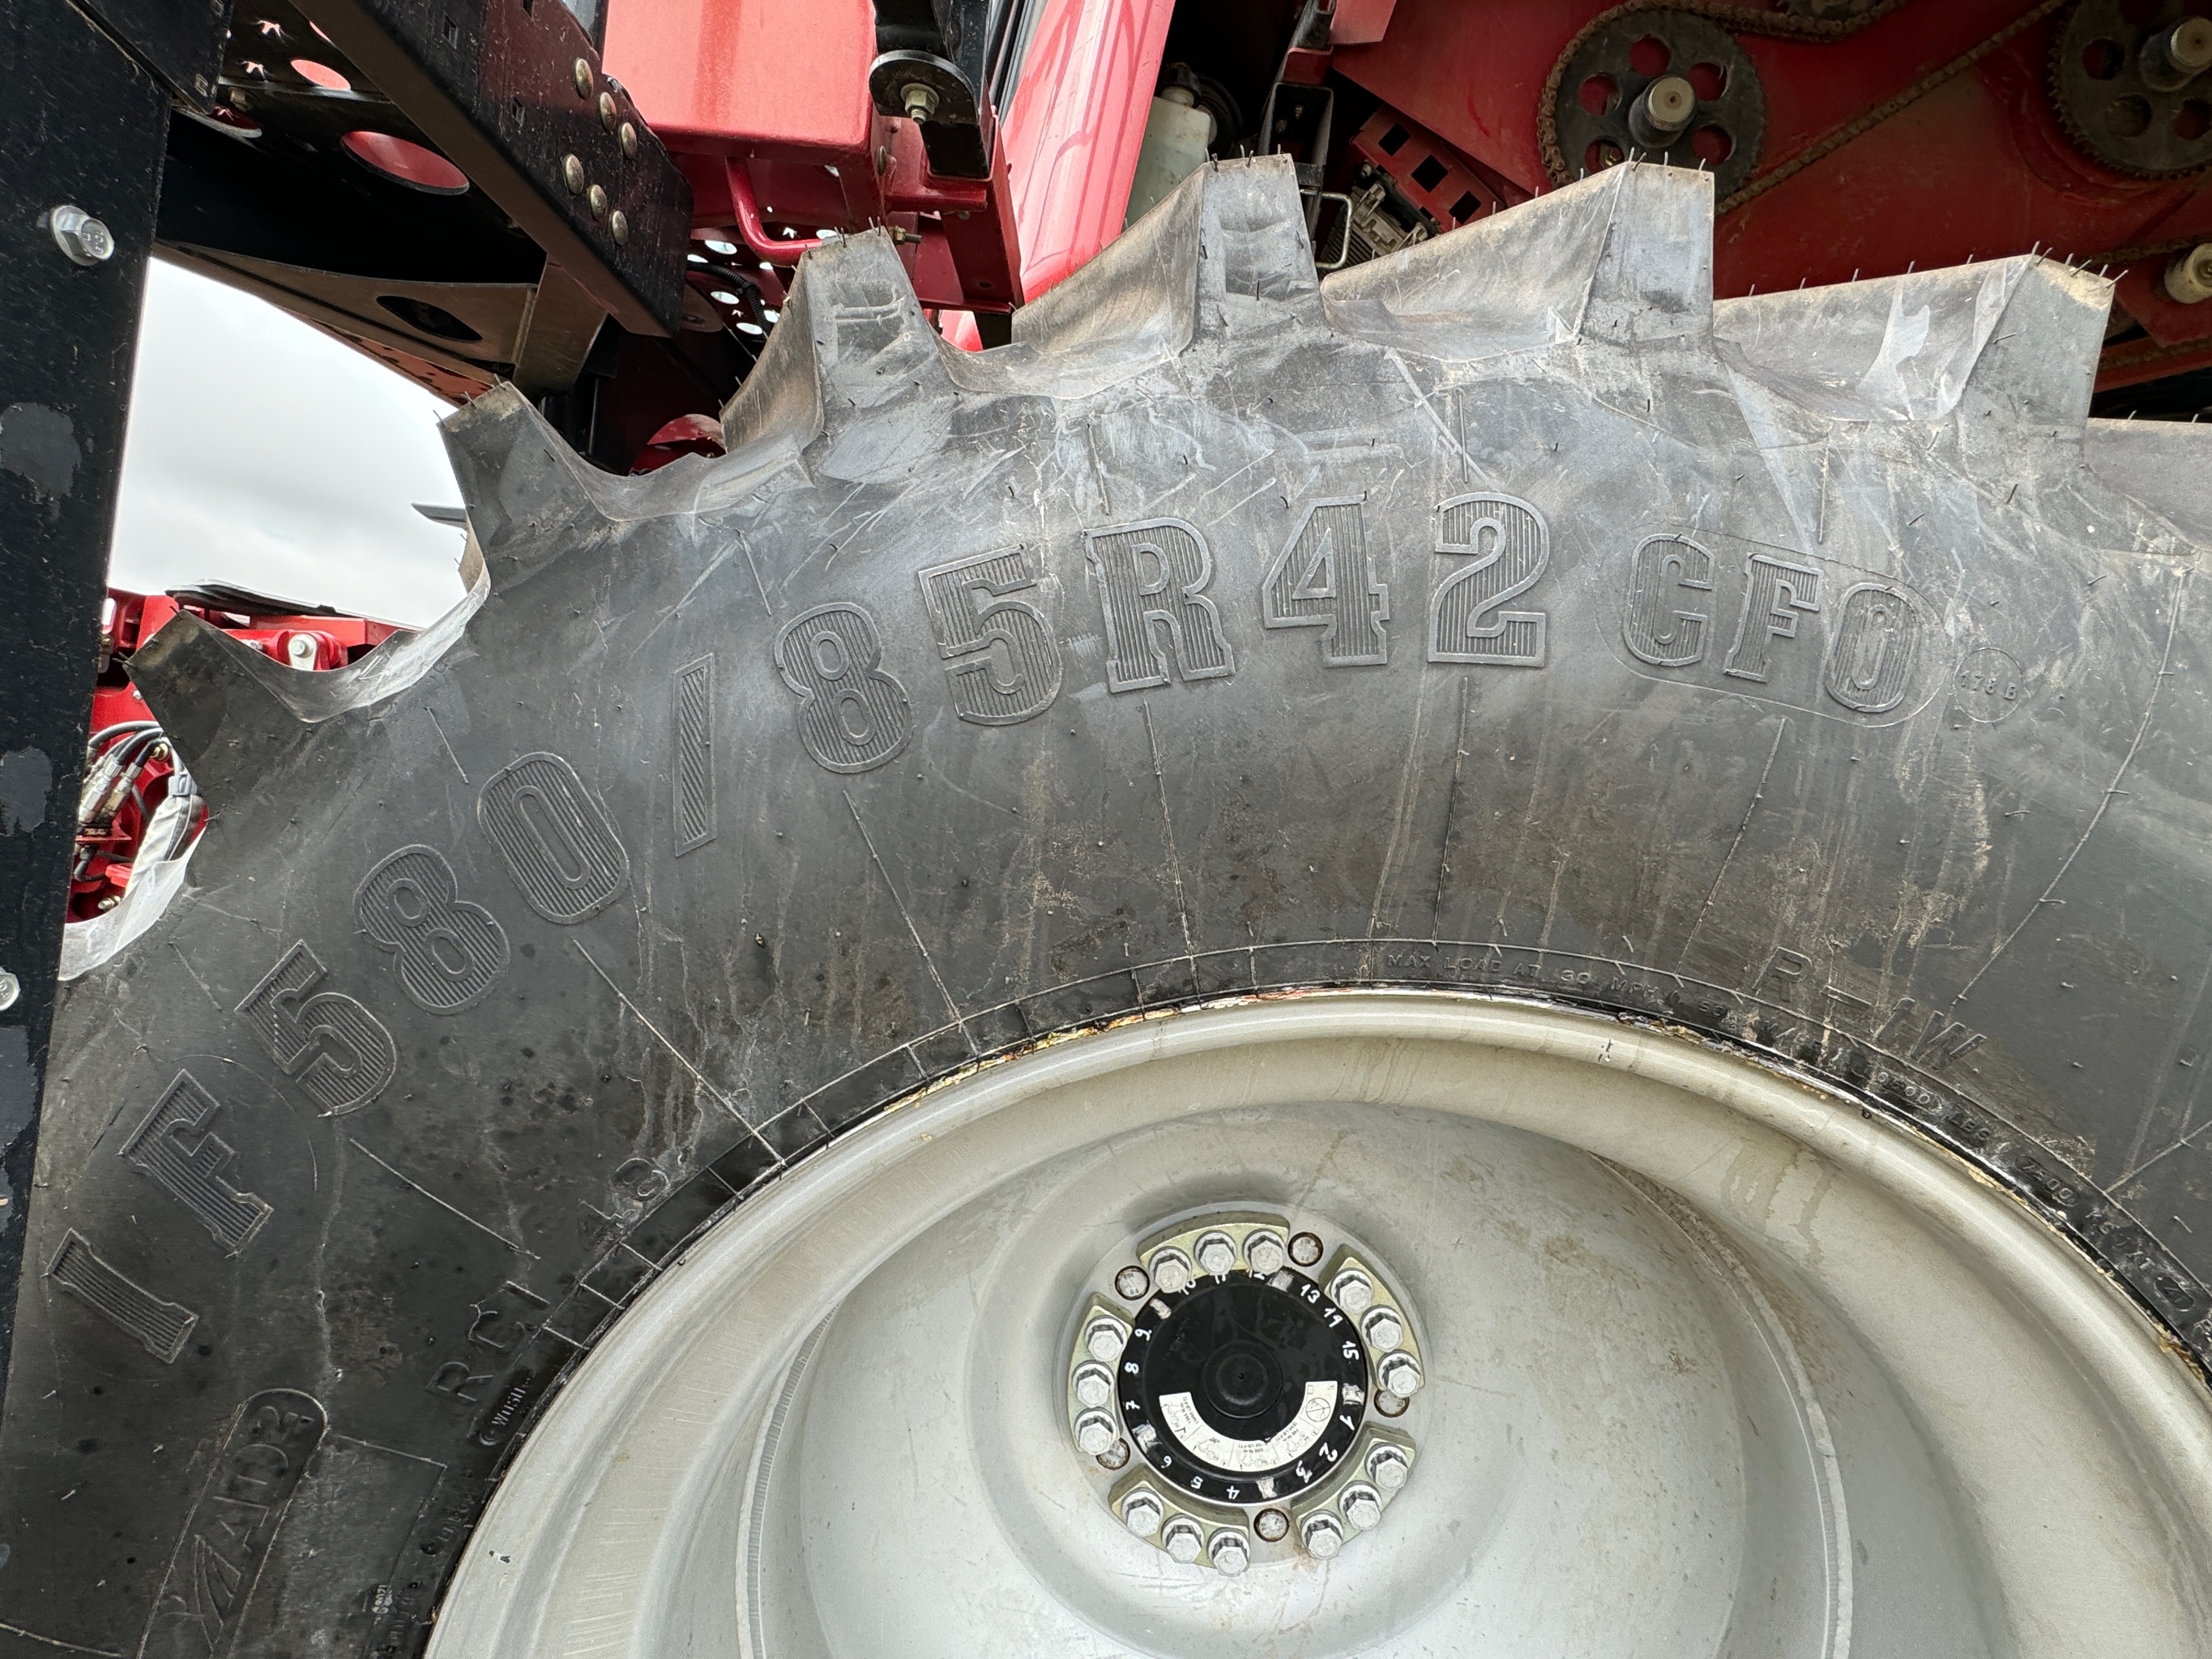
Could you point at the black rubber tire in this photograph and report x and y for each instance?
(1809, 692)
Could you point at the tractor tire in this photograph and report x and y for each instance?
(1667, 820)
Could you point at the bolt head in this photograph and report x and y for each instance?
(1362, 1506)
(628, 135)
(1387, 1469)
(300, 649)
(1171, 1270)
(1263, 1254)
(608, 114)
(1402, 1376)
(85, 240)
(11, 989)
(1103, 1340)
(1228, 1553)
(1273, 1525)
(580, 73)
(595, 199)
(1305, 1248)
(1385, 1330)
(618, 225)
(1353, 1291)
(1141, 1513)
(919, 101)
(1322, 1535)
(1094, 1433)
(1132, 1283)
(1094, 1385)
(1217, 1254)
(1181, 1538)
(571, 172)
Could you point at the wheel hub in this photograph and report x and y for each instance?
(1246, 1391)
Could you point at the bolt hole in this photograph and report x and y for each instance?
(1430, 173)
(2127, 117)
(1395, 140)
(1465, 208)
(1599, 95)
(1712, 145)
(321, 74)
(1649, 56)
(2192, 120)
(1709, 80)
(2102, 60)
(433, 320)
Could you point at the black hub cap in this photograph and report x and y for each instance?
(1243, 1390)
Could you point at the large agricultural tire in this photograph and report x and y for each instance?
(1682, 831)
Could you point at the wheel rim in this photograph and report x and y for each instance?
(1718, 1362)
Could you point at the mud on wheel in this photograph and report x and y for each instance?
(1610, 891)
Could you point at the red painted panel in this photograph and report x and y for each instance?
(744, 76)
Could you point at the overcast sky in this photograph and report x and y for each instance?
(265, 454)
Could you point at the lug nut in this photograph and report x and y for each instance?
(1171, 1270)
(1094, 1385)
(1384, 1329)
(1263, 1253)
(2189, 279)
(1273, 1525)
(1387, 1469)
(1115, 1455)
(1217, 1254)
(1228, 1553)
(1181, 1538)
(1141, 1513)
(1362, 1506)
(85, 240)
(1094, 1433)
(1400, 1374)
(1353, 1291)
(1102, 1339)
(1305, 1248)
(1322, 1535)
(1661, 111)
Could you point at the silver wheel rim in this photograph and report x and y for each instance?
(1720, 1362)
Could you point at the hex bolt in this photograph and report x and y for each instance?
(1385, 1330)
(1305, 1248)
(1387, 1469)
(1115, 1455)
(1132, 1283)
(2189, 279)
(1102, 1339)
(1094, 1433)
(1273, 1525)
(1661, 111)
(84, 239)
(919, 101)
(1353, 1291)
(1322, 1535)
(580, 73)
(1228, 1553)
(1362, 1506)
(1263, 1254)
(571, 172)
(1402, 1374)
(1141, 1513)
(2172, 57)
(300, 649)
(1094, 1385)
(1171, 1270)
(1217, 1254)
(1183, 1539)
(11, 989)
